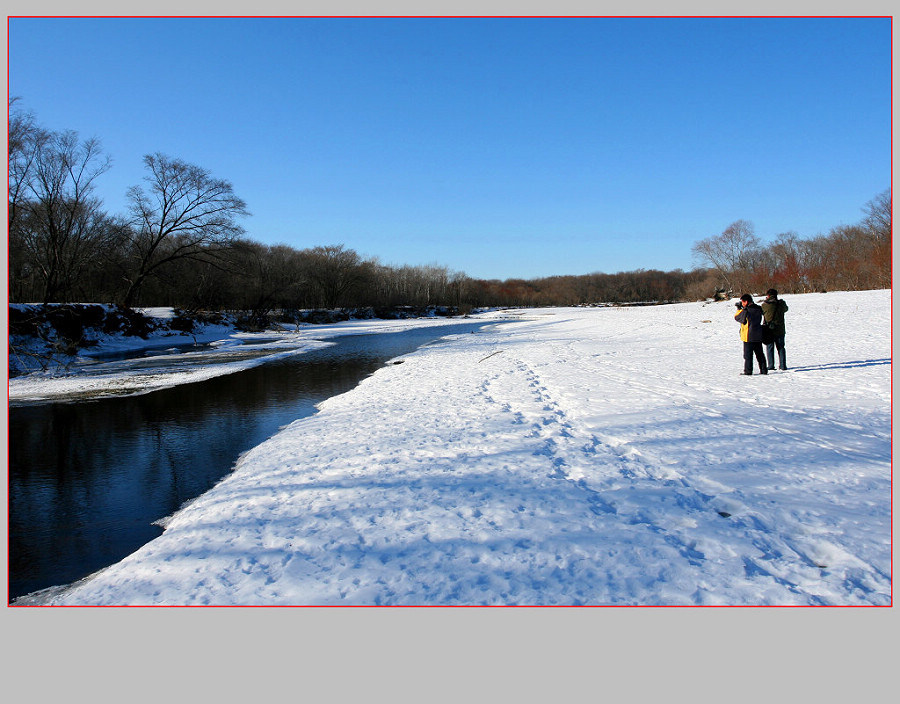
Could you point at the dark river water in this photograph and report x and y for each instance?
(88, 479)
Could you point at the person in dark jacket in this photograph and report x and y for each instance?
(750, 316)
(773, 315)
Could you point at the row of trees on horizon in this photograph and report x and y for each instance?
(180, 244)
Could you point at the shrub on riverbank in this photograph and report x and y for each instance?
(48, 337)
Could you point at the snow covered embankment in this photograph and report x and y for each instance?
(120, 352)
(579, 456)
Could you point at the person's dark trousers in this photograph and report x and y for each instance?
(752, 349)
(770, 353)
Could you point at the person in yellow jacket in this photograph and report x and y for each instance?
(750, 316)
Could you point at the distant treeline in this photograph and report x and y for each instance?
(847, 258)
(180, 244)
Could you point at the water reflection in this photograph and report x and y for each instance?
(87, 480)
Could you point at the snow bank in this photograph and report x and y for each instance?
(169, 358)
(607, 456)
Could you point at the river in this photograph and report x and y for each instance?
(88, 479)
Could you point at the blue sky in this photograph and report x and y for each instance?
(498, 147)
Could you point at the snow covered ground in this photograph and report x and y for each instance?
(610, 456)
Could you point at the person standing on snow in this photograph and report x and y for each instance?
(750, 316)
(773, 313)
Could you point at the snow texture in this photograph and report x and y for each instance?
(575, 456)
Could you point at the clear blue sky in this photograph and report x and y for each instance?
(498, 147)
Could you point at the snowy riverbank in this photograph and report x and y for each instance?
(576, 456)
(168, 358)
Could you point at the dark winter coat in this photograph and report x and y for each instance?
(750, 319)
(773, 312)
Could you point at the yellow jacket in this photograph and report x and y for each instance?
(750, 319)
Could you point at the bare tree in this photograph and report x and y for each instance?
(271, 277)
(459, 285)
(733, 253)
(26, 139)
(334, 271)
(57, 222)
(788, 266)
(878, 214)
(878, 222)
(185, 213)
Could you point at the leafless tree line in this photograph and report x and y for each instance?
(848, 257)
(180, 244)
(64, 245)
